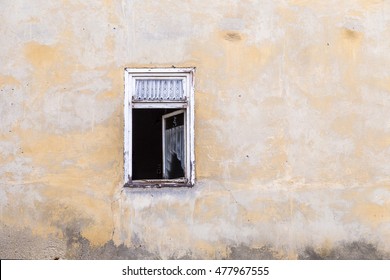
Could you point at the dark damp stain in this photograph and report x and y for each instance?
(244, 252)
(187, 256)
(232, 36)
(356, 250)
(79, 247)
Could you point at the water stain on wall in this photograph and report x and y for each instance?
(232, 36)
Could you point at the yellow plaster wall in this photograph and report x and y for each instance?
(292, 130)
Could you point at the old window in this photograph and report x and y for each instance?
(159, 127)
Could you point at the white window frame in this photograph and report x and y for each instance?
(187, 104)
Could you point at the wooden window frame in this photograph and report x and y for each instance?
(187, 104)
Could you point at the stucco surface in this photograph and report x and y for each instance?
(292, 129)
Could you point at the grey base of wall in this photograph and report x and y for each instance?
(22, 244)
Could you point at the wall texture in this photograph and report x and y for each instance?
(292, 129)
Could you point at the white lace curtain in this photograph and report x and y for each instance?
(154, 89)
(174, 144)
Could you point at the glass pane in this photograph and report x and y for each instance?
(159, 89)
(174, 145)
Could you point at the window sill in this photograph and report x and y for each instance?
(171, 183)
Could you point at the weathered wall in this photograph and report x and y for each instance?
(292, 129)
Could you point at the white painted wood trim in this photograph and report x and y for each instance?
(191, 125)
(127, 131)
(159, 105)
(153, 71)
(159, 77)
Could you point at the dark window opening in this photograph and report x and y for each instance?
(158, 141)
